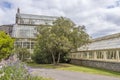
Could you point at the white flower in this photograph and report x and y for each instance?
(0, 66)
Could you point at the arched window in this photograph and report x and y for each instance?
(100, 54)
(91, 55)
(111, 55)
(85, 55)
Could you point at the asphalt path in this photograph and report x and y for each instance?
(68, 75)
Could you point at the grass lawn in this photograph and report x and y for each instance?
(76, 68)
(51, 66)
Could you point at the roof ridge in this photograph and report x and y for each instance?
(107, 37)
(37, 15)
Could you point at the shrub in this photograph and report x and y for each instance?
(42, 57)
(6, 45)
(18, 71)
(23, 54)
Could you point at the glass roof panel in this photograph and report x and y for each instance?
(103, 44)
(23, 31)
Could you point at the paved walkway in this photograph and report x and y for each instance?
(69, 75)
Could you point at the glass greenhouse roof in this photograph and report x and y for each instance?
(109, 42)
(30, 19)
(23, 31)
(30, 16)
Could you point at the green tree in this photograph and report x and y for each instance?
(60, 38)
(23, 54)
(6, 45)
(41, 52)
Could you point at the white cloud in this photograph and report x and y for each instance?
(100, 17)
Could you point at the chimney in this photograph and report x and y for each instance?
(18, 10)
(17, 15)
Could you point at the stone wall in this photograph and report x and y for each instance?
(113, 66)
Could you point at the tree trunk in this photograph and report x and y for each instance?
(58, 58)
(53, 58)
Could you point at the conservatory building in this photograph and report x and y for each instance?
(103, 52)
(24, 29)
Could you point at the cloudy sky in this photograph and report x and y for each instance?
(101, 17)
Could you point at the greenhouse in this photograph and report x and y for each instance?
(24, 31)
(106, 48)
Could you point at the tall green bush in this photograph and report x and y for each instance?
(6, 45)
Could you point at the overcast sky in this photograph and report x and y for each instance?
(101, 17)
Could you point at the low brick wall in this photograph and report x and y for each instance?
(113, 66)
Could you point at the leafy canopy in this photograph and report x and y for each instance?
(6, 45)
(60, 38)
